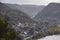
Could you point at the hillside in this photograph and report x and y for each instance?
(50, 13)
(49, 20)
(14, 15)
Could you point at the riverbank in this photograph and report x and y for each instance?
(52, 37)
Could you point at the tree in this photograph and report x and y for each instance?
(6, 32)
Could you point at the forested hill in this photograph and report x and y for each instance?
(16, 15)
(50, 13)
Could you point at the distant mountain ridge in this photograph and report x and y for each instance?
(30, 10)
(50, 13)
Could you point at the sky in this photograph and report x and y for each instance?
(34, 2)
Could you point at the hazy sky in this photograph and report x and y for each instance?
(35, 2)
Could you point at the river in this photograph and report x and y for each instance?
(54, 37)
